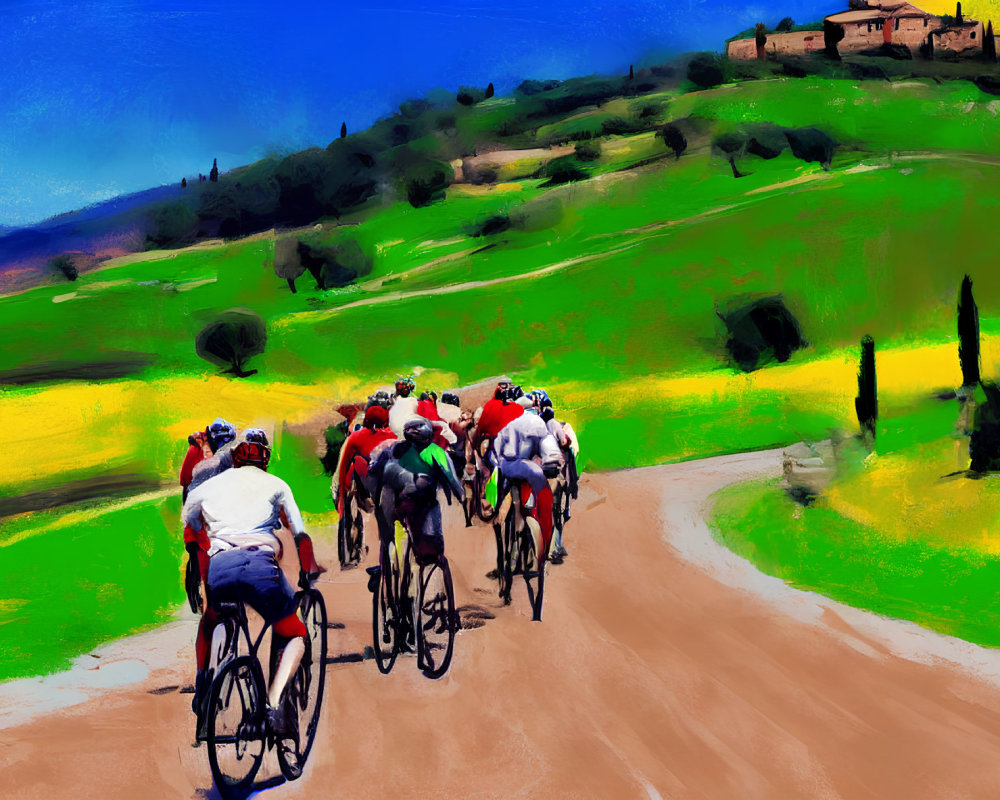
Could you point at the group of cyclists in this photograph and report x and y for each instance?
(402, 451)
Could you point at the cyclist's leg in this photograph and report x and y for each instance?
(428, 536)
(530, 472)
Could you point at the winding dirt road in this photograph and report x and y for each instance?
(664, 668)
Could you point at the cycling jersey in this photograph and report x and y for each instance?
(526, 437)
(443, 435)
(360, 443)
(210, 467)
(496, 415)
(240, 508)
(405, 408)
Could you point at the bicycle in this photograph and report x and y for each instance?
(429, 614)
(521, 539)
(481, 477)
(562, 494)
(238, 731)
(351, 527)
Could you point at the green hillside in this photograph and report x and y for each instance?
(605, 290)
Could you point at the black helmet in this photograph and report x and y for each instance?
(513, 393)
(419, 431)
(450, 398)
(380, 398)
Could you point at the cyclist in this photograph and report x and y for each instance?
(357, 451)
(221, 437)
(459, 421)
(203, 445)
(526, 451)
(380, 398)
(566, 437)
(427, 408)
(230, 523)
(404, 405)
(498, 412)
(408, 476)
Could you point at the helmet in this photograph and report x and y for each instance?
(376, 417)
(432, 396)
(219, 432)
(252, 447)
(513, 393)
(419, 431)
(405, 385)
(380, 398)
(539, 397)
(450, 398)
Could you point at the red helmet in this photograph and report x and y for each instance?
(252, 447)
(376, 417)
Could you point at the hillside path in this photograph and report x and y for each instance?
(665, 667)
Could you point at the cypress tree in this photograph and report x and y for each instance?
(866, 403)
(184, 183)
(958, 14)
(343, 130)
(968, 334)
(989, 43)
(489, 91)
(214, 174)
(631, 72)
(760, 39)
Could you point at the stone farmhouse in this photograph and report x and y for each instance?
(894, 22)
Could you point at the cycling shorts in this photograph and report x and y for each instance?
(251, 575)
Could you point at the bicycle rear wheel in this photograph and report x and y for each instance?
(533, 566)
(235, 726)
(511, 545)
(305, 690)
(385, 617)
(435, 623)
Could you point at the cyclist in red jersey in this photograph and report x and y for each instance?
(498, 413)
(202, 445)
(358, 449)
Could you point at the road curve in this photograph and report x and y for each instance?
(664, 668)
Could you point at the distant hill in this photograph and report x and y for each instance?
(105, 229)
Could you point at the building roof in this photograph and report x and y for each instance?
(891, 9)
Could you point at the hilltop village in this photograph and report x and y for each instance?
(873, 28)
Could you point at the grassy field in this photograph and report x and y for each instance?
(605, 292)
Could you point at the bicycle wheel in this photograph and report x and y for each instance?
(385, 618)
(344, 532)
(305, 690)
(533, 566)
(357, 537)
(435, 623)
(235, 726)
(511, 543)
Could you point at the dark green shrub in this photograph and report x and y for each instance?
(334, 436)
(564, 170)
(705, 70)
(63, 264)
(811, 144)
(673, 139)
(866, 403)
(231, 339)
(497, 223)
(173, 225)
(761, 331)
(588, 150)
(334, 265)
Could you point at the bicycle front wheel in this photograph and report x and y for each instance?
(511, 549)
(385, 618)
(345, 533)
(435, 623)
(236, 726)
(305, 691)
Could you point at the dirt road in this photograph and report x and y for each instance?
(664, 668)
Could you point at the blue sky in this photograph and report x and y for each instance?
(98, 99)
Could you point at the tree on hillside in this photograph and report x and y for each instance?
(673, 138)
(232, 339)
(172, 225)
(866, 403)
(489, 91)
(287, 263)
(63, 264)
(785, 25)
(989, 43)
(760, 38)
(184, 183)
(958, 14)
(343, 130)
(811, 144)
(631, 72)
(213, 175)
(968, 334)
(705, 70)
(833, 34)
(470, 95)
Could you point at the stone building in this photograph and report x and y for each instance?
(893, 22)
